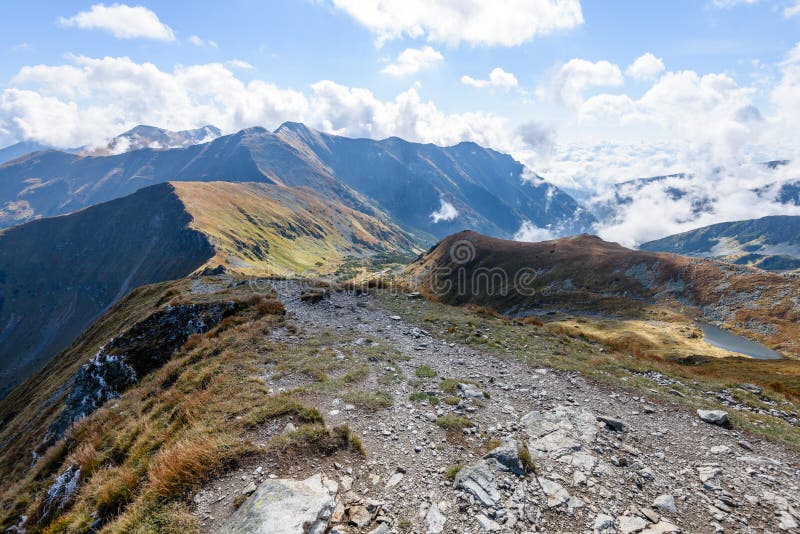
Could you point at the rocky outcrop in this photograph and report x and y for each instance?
(286, 506)
(61, 492)
(146, 346)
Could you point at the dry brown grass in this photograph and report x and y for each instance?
(187, 463)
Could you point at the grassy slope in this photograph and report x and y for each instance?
(140, 455)
(584, 273)
(268, 229)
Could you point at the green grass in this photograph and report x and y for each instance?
(423, 371)
(451, 472)
(454, 422)
(421, 396)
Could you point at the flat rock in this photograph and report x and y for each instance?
(559, 431)
(286, 506)
(487, 524)
(478, 480)
(662, 527)
(665, 503)
(434, 520)
(629, 524)
(556, 494)
(714, 417)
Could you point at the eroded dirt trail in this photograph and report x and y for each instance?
(650, 467)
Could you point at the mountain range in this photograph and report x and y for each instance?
(770, 243)
(395, 179)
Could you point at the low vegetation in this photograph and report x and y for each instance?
(605, 350)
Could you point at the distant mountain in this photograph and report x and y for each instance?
(143, 136)
(20, 149)
(410, 181)
(771, 243)
(58, 274)
(406, 182)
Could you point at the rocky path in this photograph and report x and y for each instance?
(605, 460)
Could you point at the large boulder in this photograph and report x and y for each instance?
(714, 417)
(507, 456)
(560, 431)
(286, 506)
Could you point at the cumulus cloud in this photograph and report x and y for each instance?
(497, 78)
(93, 99)
(568, 83)
(531, 233)
(446, 212)
(712, 112)
(476, 22)
(792, 10)
(413, 60)
(646, 67)
(121, 21)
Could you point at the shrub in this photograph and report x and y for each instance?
(456, 422)
(423, 371)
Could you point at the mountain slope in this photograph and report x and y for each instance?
(58, 274)
(584, 273)
(20, 149)
(410, 180)
(406, 181)
(770, 243)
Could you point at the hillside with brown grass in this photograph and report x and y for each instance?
(586, 274)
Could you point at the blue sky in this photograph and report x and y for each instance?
(717, 82)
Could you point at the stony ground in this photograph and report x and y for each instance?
(605, 460)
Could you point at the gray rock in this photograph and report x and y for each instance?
(507, 455)
(714, 417)
(559, 431)
(469, 391)
(612, 423)
(62, 492)
(286, 506)
(787, 522)
(603, 522)
(665, 502)
(478, 480)
(487, 524)
(752, 388)
(434, 520)
(629, 524)
(383, 528)
(556, 494)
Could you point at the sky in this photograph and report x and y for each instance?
(585, 93)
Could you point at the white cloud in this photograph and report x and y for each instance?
(791, 11)
(531, 233)
(239, 64)
(93, 99)
(569, 82)
(646, 67)
(200, 42)
(446, 212)
(122, 21)
(712, 112)
(497, 78)
(413, 60)
(476, 22)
